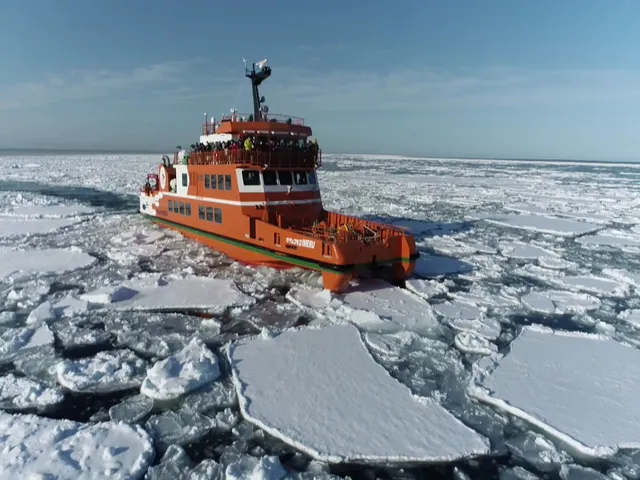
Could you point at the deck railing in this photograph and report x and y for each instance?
(209, 128)
(308, 158)
(340, 229)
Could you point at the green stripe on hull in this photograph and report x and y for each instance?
(270, 253)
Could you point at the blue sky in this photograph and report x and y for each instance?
(490, 78)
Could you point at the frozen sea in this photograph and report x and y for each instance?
(127, 351)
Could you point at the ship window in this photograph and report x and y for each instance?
(227, 182)
(209, 214)
(181, 208)
(269, 177)
(312, 177)
(201, 213)
(251, 177)
(285, 177)
(218, 215)
(206, 181)
(187, 209)
(213, 182)
(220, 182)
(300, 178)
(184, 179)
(171, 205)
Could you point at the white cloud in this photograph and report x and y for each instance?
(83, 84)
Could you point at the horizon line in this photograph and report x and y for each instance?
(444, 157)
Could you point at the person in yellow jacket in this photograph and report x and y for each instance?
(248, 144)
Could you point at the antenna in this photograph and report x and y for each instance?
(257, 77)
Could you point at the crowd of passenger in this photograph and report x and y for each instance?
(259, 143)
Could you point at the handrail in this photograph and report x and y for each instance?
(308, 158)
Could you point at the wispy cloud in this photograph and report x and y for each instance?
(422, 89)
(85, 84)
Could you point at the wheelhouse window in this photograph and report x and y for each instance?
(300, 178)
(201, 213)
(185, 179)
(218, 215)
(213, 182)
(220, 182)
(187, 209)
(209, 214)
(270, 177)
(251, 177)
(285, 177)
(181, 208)
(171, 205)
(227, 182)
(311, 176)
(207, 184)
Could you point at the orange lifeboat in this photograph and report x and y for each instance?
(249, 189)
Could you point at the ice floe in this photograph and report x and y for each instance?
(560, 302)
(15, 342)
(13, 227)
(18, 393)
(131, 409)
(36, 447)
(525, 251)
(595, 285)
(474, 343)
(49, 211)
(178, 427)
(189, 369)
(467, 316)
(611, 238)
(430, 266)
(320, 391)
(539, 223)
(377, 303)
(110, 371)
(42, 261)
(193, 293)
(426, 288)
(578, 388)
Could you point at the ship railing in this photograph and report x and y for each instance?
(308, 158)
(348, 231)
(209, 128)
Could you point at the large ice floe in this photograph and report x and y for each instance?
(563, 383)
(36, 447)
(44, 261)
(539, 223)
(319, 390)
(168, 294)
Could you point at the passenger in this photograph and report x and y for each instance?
(248, 144)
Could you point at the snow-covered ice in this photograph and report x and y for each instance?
(19, 393)
(81, 273)
(189, 369)
(560, 302)
(106, 372)
(43, 261)
(35, 447)
(211, 294)
(386, 303)
(15, 342)
(539, 223)
(578, 388)
(339, 404)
